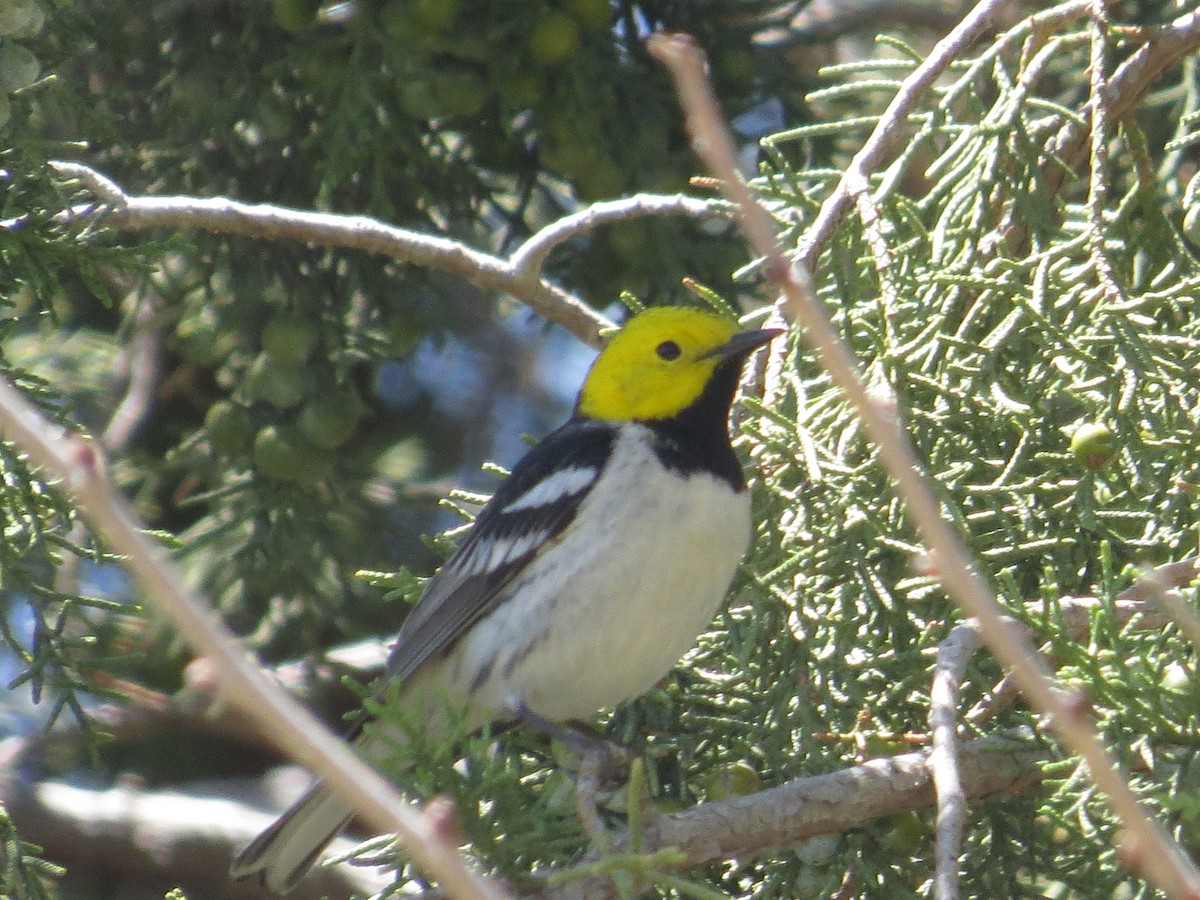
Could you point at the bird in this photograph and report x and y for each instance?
(589, 573)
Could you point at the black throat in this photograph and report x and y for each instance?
(697, 440)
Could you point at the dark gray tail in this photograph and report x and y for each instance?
(281, 855)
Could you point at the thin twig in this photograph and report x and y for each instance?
(1173, 604)
(890, 129)
(1098, 177)
(72, 461)
(1169, 575)
(141, 359)
(143, 365)
(587, 806)
(1034, 31)
(1162, 859)
(953, 655)
(1133, 607)
(881, 256)
(528, 259)
(1002, 695)
(1165, 46)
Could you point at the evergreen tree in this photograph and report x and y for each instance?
(1015, 264)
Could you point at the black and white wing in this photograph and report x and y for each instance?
(532, 506)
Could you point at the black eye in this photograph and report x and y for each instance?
(668, 350)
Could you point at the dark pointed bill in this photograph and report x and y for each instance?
(742, 343)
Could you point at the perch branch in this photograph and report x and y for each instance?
(198, 708)
(194, 712)
(193, 835)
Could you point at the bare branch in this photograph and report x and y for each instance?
(142, 358)
(1098, 178)
(1172, 604)
(519, 276)
(1069, 147)
(1133, 607)
(1165, 46)
(177, 836)
(820, 804)
(194, 834)
(75, 464)
(1169, 575)
(890, 130)
(528, 259)
(1165, 862)
(224, 216)
(953, 655)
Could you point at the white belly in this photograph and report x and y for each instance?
(625, 608)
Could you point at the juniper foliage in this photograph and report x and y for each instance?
(1007, 288)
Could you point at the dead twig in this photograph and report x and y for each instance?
(520, 275)
(527, 260)
(1098, 176)
(953, 655)
(1161, 858)
(890, 130)
(1172, 604)
(73, 462)
(1164, 46)
(142, 361)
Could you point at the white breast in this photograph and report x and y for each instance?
(589, 625)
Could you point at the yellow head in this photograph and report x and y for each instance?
(660, 363)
